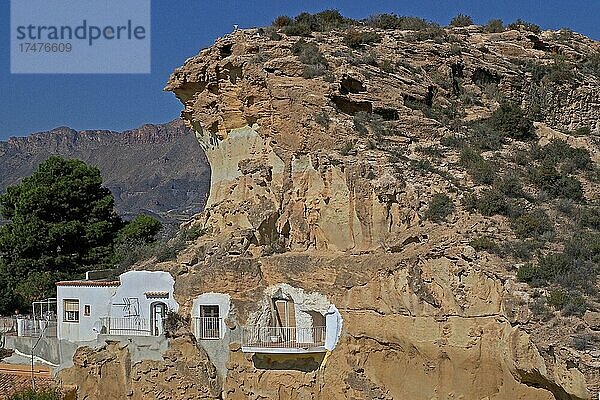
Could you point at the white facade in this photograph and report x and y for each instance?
(96, 298)
(136, 305)
(200, 322)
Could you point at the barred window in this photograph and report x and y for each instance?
(71, 310)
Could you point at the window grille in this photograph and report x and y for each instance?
(71, 310)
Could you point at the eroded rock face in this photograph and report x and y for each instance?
(425, 315)
(184, 373)
(414, 327)
(306, 192)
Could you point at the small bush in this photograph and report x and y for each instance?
(560, 71)
(510, 120)
(304, 23)
(357, 39)
(423, 30)
(482, 171)
(432, 151)
(453, 141)
(485, 137)
(494, 26)
(585, 341)
(313, 71)
(532, 224)
(511, 186)
(282, 20)
(440, 207)
(592, 64)
(492, 202)
(555, 184)
(360, 121)
(194, 232)
(392, 21)
(560, 152)
(574, 269)
(557, 72)
(455, 50)
(540, 310)
(522, 249)
(527, 273)
(593, 175)
(558, 298)
(173, 323)
(461, 20)
(347, 147)
(297, 30)
(589, 217)
(469, 202)
(310, 55)
(322, 119)
(308, 52)
(484, 243)
(365, 122)
(167, 251)
(575, 306)
(38, 394)
(528, 26)
(564, 35)
(274, 36)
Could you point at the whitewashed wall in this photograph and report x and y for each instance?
(134, 285)
(98, 298)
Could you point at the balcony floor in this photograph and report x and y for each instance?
(277, 348)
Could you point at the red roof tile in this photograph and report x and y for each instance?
(16, 378)
(89, 283)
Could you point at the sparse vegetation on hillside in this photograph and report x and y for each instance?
(528, 26)
(511, 120)
(393, 21)
(356, 39)
(494, 26)
(439, 208)
(592, 65)
(461, 20)
(310, 55)
(304, 23)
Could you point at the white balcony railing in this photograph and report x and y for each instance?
(290, 337)
(130, 326)
(208, 327)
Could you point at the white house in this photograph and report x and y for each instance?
(135, 305)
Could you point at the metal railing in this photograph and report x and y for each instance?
(131, 326)
(207, 327)
(291, 337)
(36, 327)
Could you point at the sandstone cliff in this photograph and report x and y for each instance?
(323, 180)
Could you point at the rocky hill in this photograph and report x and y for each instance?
(155, 169)
(438, 185)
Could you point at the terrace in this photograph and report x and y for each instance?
(132, 326)
(283, 339)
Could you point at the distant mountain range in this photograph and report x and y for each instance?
(158, 170)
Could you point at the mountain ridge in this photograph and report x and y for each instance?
(174, 191)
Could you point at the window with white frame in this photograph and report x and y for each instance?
(71, 310)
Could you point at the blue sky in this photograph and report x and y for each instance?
(180, 28)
